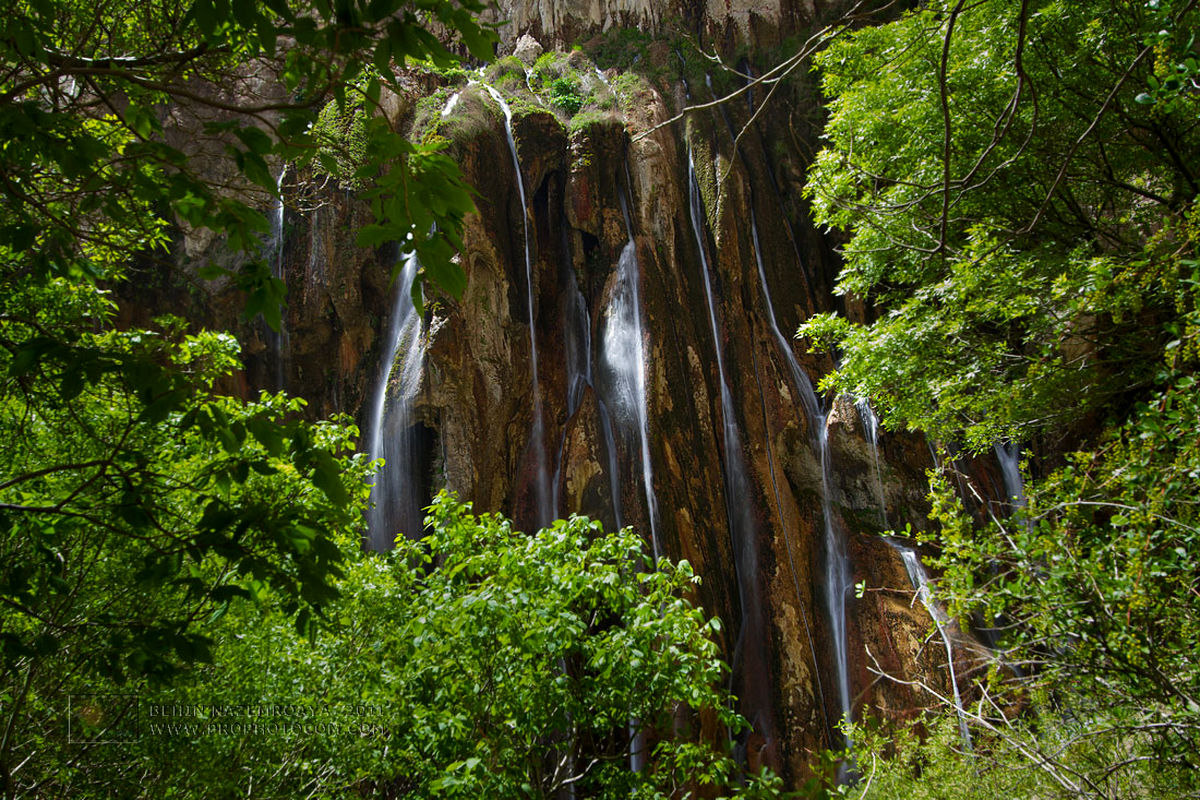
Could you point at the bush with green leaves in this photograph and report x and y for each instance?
(566, 92)
(480, 662)
(139, 503)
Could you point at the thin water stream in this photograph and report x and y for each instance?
(541, 489)
(749, 656)
(871, 428)
(921, 582)
(278, 341)
(1009, 456)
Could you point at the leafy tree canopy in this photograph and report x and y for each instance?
(1019, 181)
(120, 118)
(1018, 184)
(138, 501)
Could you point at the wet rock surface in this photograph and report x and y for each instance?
(593, 184)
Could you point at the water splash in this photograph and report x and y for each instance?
(396, 499)
(537, 439)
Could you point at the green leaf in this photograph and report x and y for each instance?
(205, 15)
(327, 475)
(256, 139)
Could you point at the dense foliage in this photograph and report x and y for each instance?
(120, 119)
(482, 662)
(1020, 189)
(139, 502)
(185, 607)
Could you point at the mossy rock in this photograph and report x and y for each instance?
(504, 71)
(474, 115)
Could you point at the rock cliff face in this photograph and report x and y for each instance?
(564, 22)
(624, 349)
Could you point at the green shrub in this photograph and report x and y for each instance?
(567, 93)
(480, 662)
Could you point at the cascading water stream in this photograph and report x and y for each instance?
(837, 579)
(541, 487)
(871, 428)
(604, 80)
(278, 341)
(1009, 456)
(529, 87)
(396, 500)
(838, 568)
(577, 341)
(750, 648)
(314, 276)
(624, 352)
(577, 336)
(787, 224)
(808, 398)
(838, 571)
(920, 581)
(624, 359)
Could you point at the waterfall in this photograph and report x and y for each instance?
(808, 398)
(624, 359)
(800, 379)
(396, 495)
(1009, 456)
(750, 648)
(577, 336)
(837, 579)
(871, 429)
(838, 570)
(537, 439)
(920, 581)
(314, 276)
(278, 341)
(529, 88)
(577, 340)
